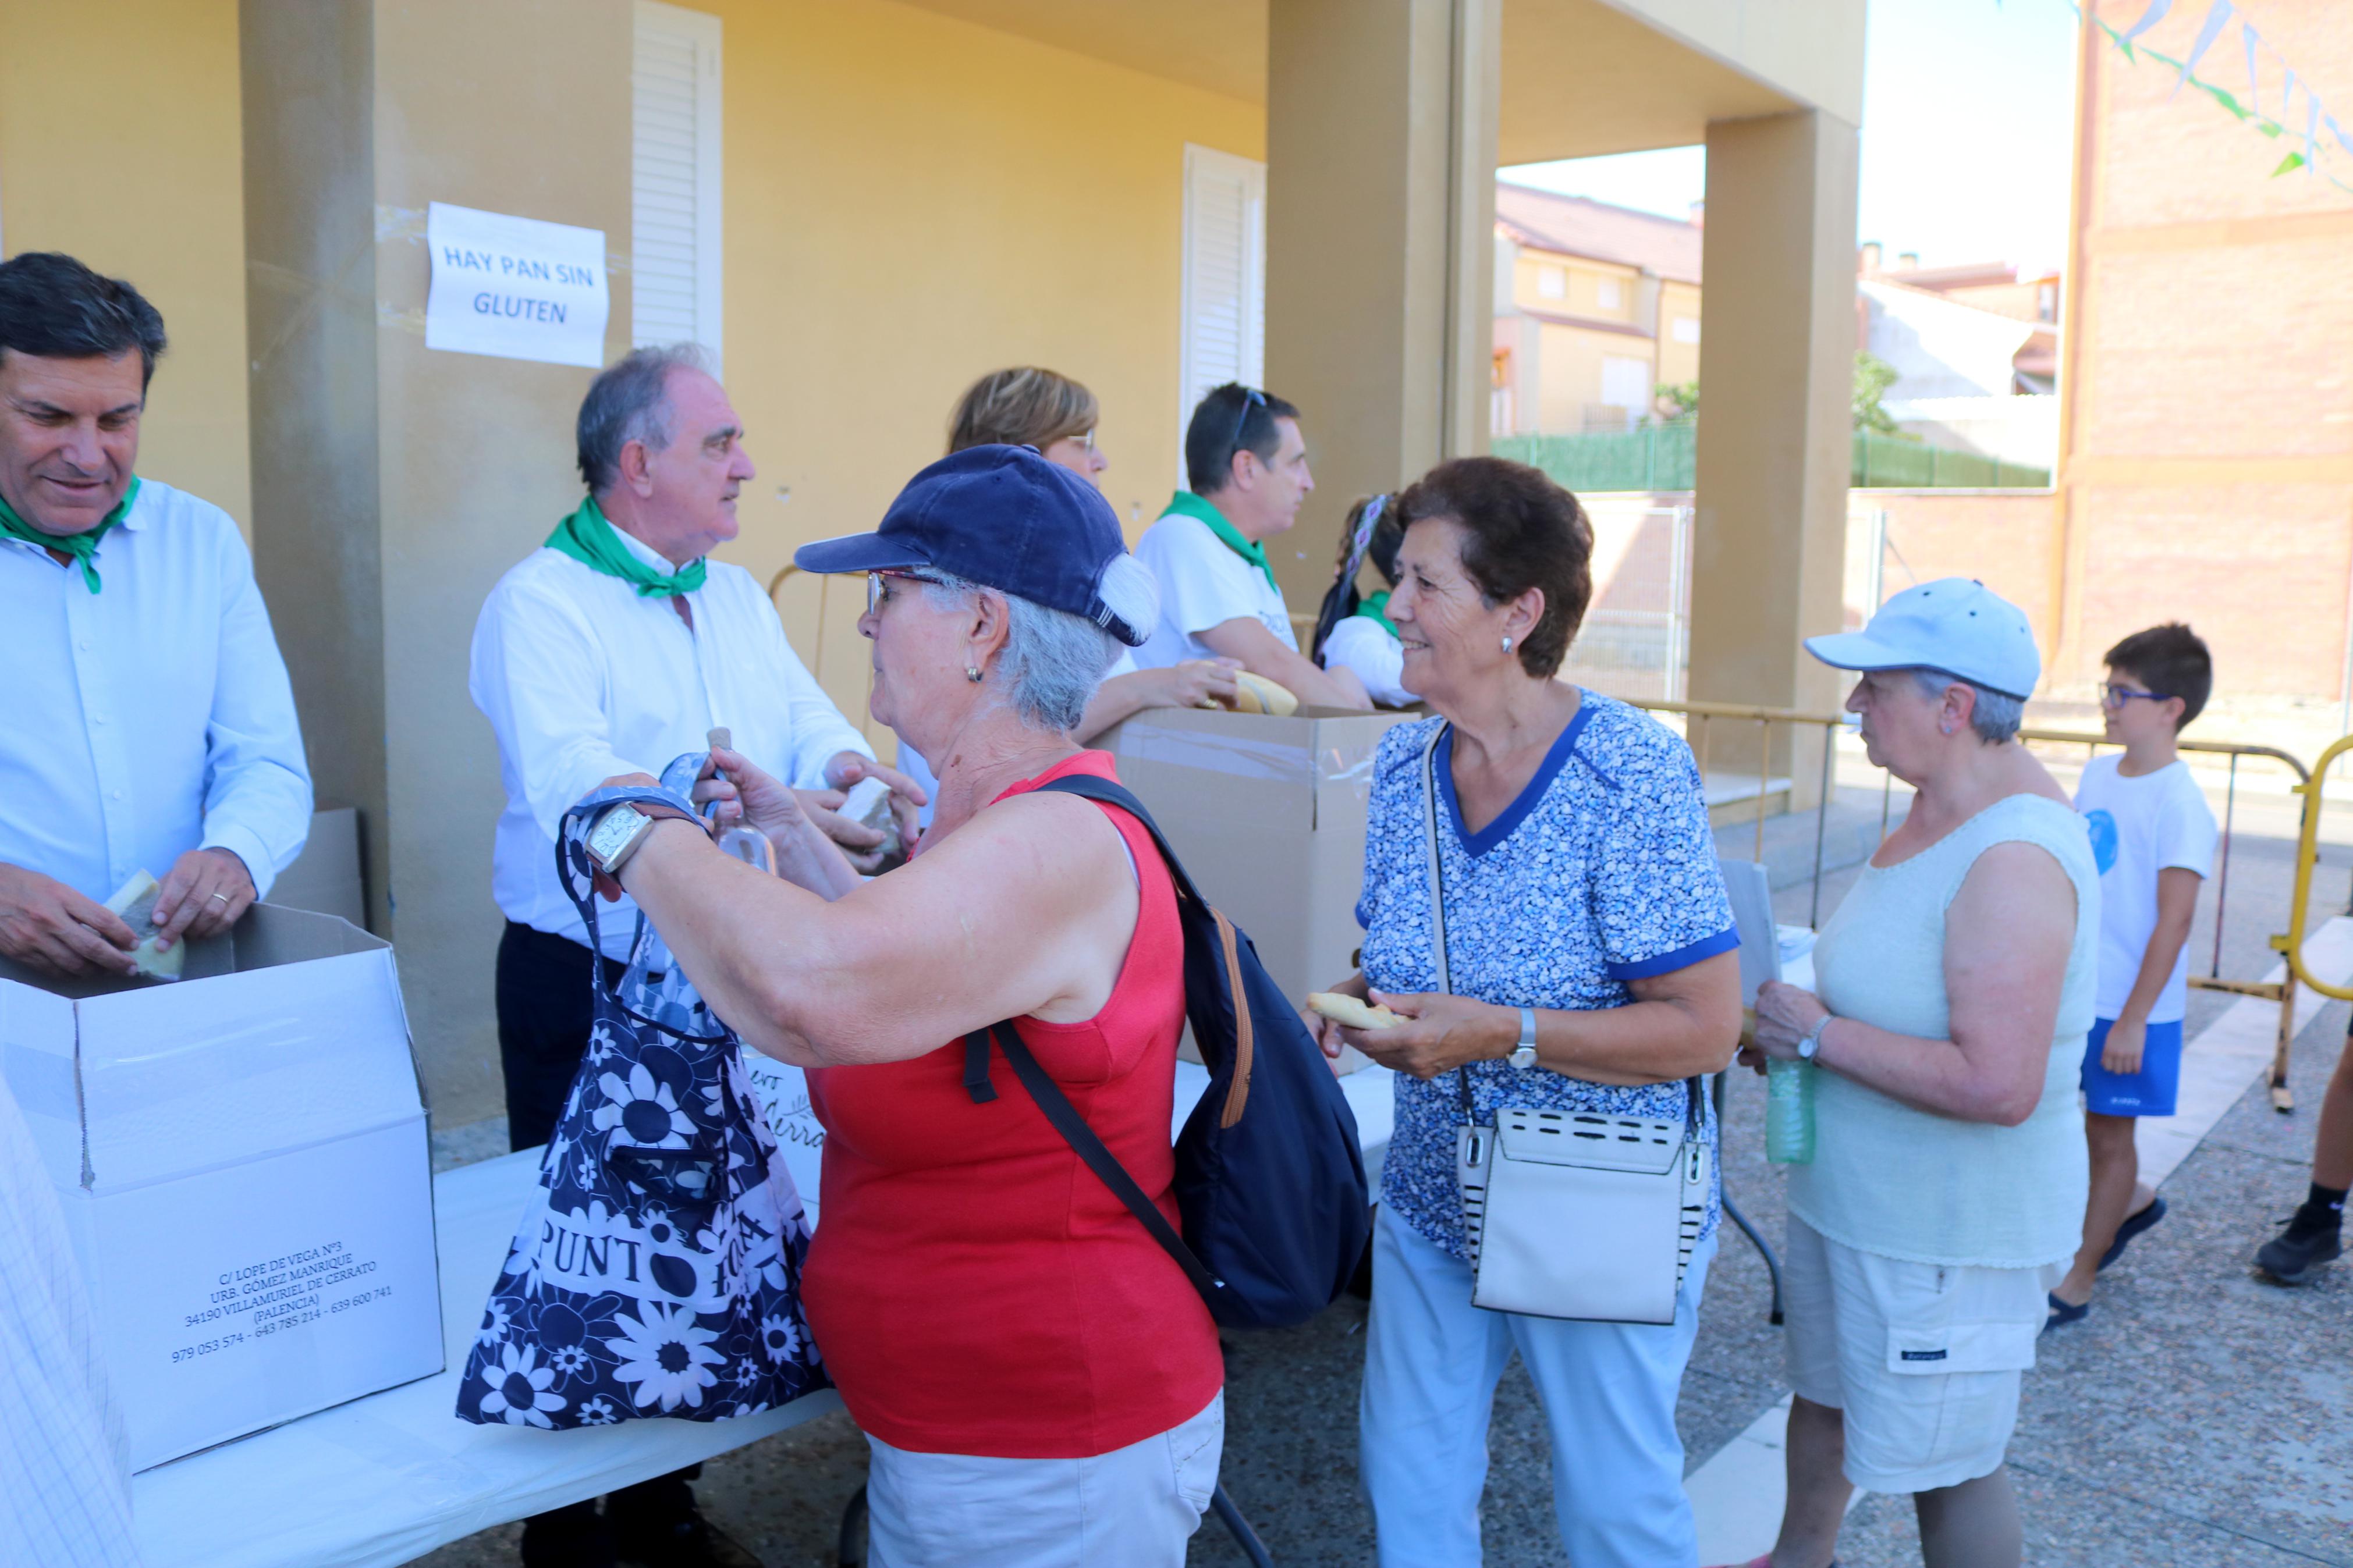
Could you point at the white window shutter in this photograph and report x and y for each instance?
(674, 286)
(1224, 307)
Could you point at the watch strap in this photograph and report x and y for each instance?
(1524, 1055)
(1810, 1046)
(653, 811)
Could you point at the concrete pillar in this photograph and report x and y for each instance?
(1775, 379)
(394, 484)
(1381, 123)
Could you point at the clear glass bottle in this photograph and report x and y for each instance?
(1789, 1112)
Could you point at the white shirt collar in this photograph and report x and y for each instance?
(642, 550)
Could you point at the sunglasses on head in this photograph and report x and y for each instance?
(1250, 396)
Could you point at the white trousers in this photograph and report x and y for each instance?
(1431, 1363)
(1132, 1508)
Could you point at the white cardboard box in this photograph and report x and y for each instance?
(241, 1159)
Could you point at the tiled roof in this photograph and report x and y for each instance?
(1578, 225)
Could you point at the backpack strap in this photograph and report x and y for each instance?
(1104, 792)
(1082, 1141)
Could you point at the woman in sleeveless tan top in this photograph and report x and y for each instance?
(1946, 1191)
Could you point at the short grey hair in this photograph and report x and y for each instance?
(1054, 660)
(1993, 718)
(629, 401)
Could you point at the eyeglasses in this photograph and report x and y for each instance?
(1250, 396)
(2114, 695)
(875, 590)
(1085, 440)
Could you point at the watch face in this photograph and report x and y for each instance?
(613, 832)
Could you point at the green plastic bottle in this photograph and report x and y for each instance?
(1789, 1112)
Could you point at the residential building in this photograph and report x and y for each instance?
(1596, 309)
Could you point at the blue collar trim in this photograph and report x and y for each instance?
(1512, 816)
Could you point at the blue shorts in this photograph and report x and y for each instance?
(2148, 1092)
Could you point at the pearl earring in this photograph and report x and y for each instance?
(1507, 645)
(972, 674)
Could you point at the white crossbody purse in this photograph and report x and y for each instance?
(1572, 1214)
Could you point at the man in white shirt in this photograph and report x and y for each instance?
(612, 650)
(151, 726)
(1246, 463)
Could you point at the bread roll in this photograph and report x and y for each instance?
(1256, 694)
(1352, 1012)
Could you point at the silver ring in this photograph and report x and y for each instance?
(222, 897)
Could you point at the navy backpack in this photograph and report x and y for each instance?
(1269, 1177)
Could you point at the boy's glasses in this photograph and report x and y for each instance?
(2114, 695)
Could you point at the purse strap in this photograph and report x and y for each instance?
(1437, 874)
(1694, 1116)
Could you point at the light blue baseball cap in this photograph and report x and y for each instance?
(1954, 624)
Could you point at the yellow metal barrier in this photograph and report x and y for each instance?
(2290, 945)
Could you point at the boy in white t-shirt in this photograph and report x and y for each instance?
(2153, 838)
(1246, 463)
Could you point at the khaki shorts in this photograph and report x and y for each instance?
(1924, 1359)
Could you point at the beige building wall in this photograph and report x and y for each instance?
(1678, 360)
(912, 201)
(884, 247)
(1582, 284)
(119, 144)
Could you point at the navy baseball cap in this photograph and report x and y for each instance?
(1001, 516)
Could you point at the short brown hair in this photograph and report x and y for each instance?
(1519, 530)
(2173, 659)
(1024, 407)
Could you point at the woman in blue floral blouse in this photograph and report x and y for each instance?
(1580, 882)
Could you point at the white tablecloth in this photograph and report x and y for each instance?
(387, 1479)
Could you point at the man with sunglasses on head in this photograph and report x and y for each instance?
(1246, 463)
(614, 648)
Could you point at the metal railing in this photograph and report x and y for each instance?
(1705, 716)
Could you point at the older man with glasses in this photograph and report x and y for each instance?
(1246, 463)
(614, 648)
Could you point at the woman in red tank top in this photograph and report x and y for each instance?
(1033, 1372)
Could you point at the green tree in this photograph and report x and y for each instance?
(1680, 401)
(1872, 377)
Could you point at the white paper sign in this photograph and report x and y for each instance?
(515, 286)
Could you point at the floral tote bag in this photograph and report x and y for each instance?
(656, 1270)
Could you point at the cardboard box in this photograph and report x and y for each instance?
(1268, 815)
(241, 1159)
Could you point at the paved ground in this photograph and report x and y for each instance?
(2198, 1419)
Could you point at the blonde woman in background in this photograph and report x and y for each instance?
(1027, 407)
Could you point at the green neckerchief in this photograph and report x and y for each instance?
(596, 544)
(1184, 503)
(81, 546)
(1375, 609)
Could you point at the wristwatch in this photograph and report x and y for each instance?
(1524, 1055)
(1812, 1041)
(614, 837)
